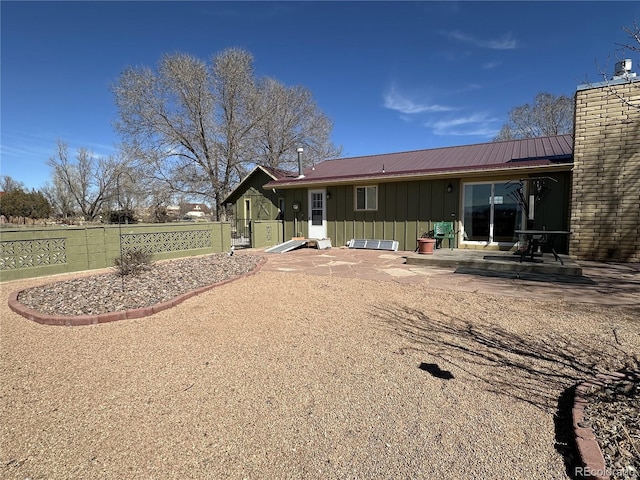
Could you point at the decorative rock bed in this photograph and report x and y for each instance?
(606, 422)
(109, 297)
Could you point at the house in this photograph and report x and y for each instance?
(173, 211)
(399, 196)
(587, 184)
(250, 201)
(188, 210)
(196, 210)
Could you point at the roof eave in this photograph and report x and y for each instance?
(395, 177)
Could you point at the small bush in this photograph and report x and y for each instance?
(132, 262)
(122, 216)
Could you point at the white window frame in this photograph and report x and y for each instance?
(366, 198)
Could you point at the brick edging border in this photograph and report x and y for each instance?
(594, 466)
(79, 320)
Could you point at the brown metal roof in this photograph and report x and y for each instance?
(484, 156)
(276, 173)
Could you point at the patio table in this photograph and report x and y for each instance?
(535, 239)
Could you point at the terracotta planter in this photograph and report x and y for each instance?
(426, 245)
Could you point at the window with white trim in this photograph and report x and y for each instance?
(367, 198)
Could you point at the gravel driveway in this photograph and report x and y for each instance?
(288, 375)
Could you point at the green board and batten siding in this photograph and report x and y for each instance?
(408, 209)
(405, 211)
(264, 203)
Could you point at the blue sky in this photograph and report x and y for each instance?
(392, 76)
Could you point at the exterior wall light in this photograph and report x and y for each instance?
(449, 188)
(328, 195)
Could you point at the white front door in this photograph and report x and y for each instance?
(317, 214)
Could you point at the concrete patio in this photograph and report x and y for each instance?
(499, 261)
(468, 271)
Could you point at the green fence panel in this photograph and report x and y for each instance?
(35, 252)
(266, 233)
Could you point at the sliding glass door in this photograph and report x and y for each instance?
(490, 214)
(477, 212)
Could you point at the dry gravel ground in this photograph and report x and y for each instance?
(286, 375)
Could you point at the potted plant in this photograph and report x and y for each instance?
(426, 243)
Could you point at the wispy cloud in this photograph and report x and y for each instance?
(506, 42)
(403, 103)
(477, 124)
(37, 148)
(20, 146)
(490, 65)
(438, 118)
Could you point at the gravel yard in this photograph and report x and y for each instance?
(287, 375)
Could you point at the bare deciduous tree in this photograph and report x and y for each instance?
(548, 115)
(59, 197)
(199, 129)
(157, 198)
(167, 120)
(8, 184)
(291, 119)
(89, 181)
(237, 95)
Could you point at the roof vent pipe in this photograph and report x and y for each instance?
(300, 150)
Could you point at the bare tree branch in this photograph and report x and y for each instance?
(633, 46)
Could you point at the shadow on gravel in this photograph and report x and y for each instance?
(539, 370)
(436, 371)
